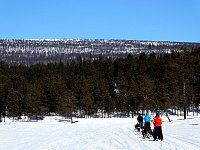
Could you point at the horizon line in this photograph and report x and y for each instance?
(92, 39)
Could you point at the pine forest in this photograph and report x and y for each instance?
(83, 88)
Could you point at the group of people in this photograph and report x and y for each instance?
(157, 122)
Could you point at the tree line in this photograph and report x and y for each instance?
(84, 87)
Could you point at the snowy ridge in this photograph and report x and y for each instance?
(30, 51)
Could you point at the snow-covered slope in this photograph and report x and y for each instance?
(97, 134)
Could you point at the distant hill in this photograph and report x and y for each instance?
(66, 50)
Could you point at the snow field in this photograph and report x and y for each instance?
(55, 133)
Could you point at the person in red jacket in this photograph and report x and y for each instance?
(157, 122)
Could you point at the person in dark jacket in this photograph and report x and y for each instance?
(140, 120)
(157, 122)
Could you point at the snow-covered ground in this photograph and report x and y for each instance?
(53, 133)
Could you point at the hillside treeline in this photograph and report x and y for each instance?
(84, 87)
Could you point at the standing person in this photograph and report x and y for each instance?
(147, 127)
(157, 121)
(140, 120)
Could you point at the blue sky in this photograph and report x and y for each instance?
(160, 20)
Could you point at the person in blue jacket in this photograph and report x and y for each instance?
(147, 126)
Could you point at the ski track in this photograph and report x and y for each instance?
(103, 139)
(173, 141)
